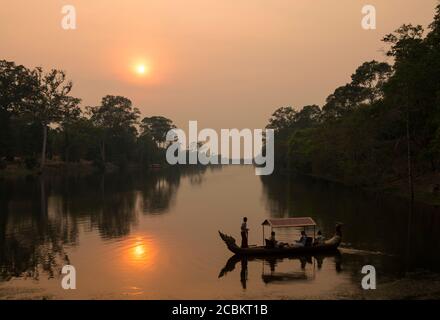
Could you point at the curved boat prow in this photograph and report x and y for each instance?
(229, 241)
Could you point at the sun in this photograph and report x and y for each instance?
(142, 69)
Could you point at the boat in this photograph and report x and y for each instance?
(328, 246)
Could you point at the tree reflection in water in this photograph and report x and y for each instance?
(39, 246)
(40, 216)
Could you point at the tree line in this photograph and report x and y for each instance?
(382, 127)
(40, 120)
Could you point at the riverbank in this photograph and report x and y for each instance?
(83, 167)
(415, 286)
(18, 169)
(426, 187)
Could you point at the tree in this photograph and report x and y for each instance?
(366, 87)
(148, 151)
(282, 119)
(407, 49)
(37, 106)
(157, 127)
(70, 116)
(115, 118)
(16, 87)
(371, 77)
(307, 117)
(344, 100)
(357, 136)
(16, 84)
(49, 101)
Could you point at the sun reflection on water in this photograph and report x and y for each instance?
(139, 252)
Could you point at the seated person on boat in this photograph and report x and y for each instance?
(303, 240)
(297, 222)
(273, 243)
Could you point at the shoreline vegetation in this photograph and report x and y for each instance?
(381, 131)
(43, 127)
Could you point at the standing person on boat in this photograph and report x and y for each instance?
(244, 233)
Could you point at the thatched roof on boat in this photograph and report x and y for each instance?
(289, 222)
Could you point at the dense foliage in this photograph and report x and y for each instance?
(39, 119)
(381, 127)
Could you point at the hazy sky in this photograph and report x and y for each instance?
(224, 63)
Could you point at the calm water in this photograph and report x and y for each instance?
(154, 236)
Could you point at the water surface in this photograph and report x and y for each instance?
(154, 236)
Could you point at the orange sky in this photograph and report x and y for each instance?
(224, 63)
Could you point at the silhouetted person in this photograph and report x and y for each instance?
(338, 231)
(303, 261)
(273, 241)
(244, 233)
(272, 264)
(302, 240)
(244, 272)
(319, 260)
(319, 239)
(272, 236)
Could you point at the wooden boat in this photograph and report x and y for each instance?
(328, 246)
